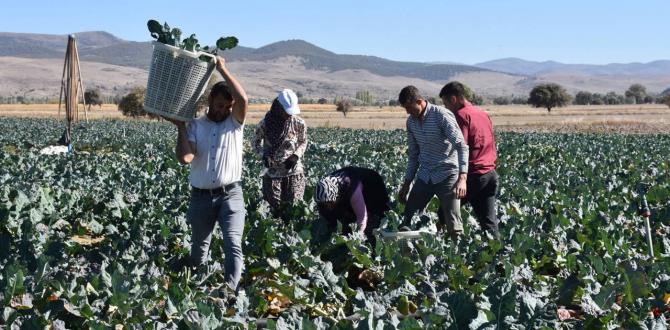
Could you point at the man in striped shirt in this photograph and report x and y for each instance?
(437, 157)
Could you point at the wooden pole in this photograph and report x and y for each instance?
(62, 81)
(81, 83)
(68, 89)
(71, 86)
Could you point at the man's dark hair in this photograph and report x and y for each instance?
(220, 88)
(453, 88)
(409, 94)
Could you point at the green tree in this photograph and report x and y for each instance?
(365, 96)
(92, 97)
(649, 99)
(322, 101)
(519, 100)
(663, 97)
(638, 92)
(612, 98)
(597, 99)
(502, 100)
(471, 96)
(132, 105)
(548, 96)
(583, 98)
(344, 106)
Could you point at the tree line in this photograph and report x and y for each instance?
(548, 96)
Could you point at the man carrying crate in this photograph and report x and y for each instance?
(212, 144)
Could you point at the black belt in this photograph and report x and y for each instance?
(216, 191)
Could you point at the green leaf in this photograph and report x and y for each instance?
(636, 285)
(190, 43)
(15, 279)
(105, 276)
(570, 292)
(155, 28)
(462, 309)
(170, 308)
(502, 296)
(95, 227)
(176, 36)
(226, 43)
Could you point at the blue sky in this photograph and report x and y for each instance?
(569, 31)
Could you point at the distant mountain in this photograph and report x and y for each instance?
(20, 44)
(126, 53)
(531, 68)
(320, 59)
(519, 66)
(32, 66)
(96, 46)
(105, 48)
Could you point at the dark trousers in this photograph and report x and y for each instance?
(481, 194)
(482, 191)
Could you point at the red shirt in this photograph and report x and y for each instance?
(478, 134)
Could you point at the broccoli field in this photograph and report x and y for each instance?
(90, 239)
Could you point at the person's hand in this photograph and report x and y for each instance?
(290, 162)
(402, 194)
(220, 62)
(460, 189)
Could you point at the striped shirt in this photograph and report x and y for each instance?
(218, 156)
(436, 147)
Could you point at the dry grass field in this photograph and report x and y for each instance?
(620, 118)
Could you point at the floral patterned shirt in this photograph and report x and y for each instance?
(294, 144)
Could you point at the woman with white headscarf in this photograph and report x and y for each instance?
(280, 141)
(352, 195)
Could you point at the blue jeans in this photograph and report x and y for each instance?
(226, 208)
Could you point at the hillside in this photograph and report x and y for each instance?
(32, 67)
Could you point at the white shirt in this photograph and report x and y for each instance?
(218, 152)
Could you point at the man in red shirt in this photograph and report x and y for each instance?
(482, 181)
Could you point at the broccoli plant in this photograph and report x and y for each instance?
(172, 36)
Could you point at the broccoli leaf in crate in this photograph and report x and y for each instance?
(190, 43)
(226, 43)
(155, 28)
(176, 37)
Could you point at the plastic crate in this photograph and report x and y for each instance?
(400, 235)
(177, 79)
